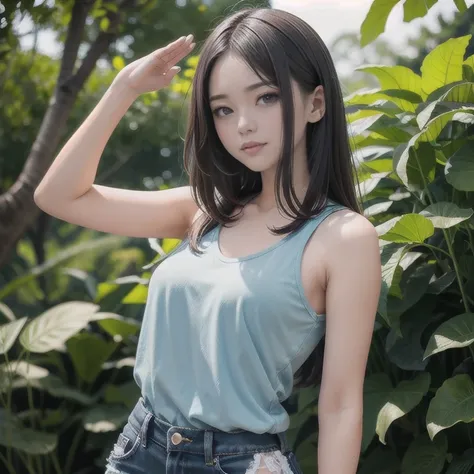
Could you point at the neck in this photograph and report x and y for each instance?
(266, 200)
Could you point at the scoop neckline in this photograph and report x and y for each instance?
(273, 246)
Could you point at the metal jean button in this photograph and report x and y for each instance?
(176, 438)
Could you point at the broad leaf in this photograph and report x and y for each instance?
(409, 228)
(9, 332)
(397, 77)
(424, 456)
(459, 169)
(430, 133)
(443, 65)
(446, 214)
(56, 325)
(105, 418)
(452, 404)
(461, 5)
(88, 353)
(416, 9)
(463, 464)
(402, 400)
(374, 24)
(456, 332)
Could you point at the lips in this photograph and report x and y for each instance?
(251, 145)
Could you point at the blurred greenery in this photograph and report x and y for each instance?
(71, 299)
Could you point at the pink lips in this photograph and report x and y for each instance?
(253, 150)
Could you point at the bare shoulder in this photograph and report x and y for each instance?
(346, 237)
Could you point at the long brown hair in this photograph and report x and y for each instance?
(277, 46)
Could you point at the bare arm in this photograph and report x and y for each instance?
(352, 293)
(68, 192)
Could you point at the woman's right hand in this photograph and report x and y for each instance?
(156, 70)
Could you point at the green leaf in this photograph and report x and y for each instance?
(56, 325)
(138, 295)
(101, 244)
(127, 393)
(380, 461)
(443, 65)
(459, 169)
(117, 326)
(415, 9)
(424, 456)
(444, 215)
(374, 23)
(104, 24)
(7, 312)
(8, 334)
(454, 333)
(104, 418)
(409, 228)
(461, 5)
(397, 78)
(462, 464)
(430, 133)
(400, 401)
(460, 93)
(88, 352)
(452, 404)
(24, 369)
(118, 63)
(27, 440)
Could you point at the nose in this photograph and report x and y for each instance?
(246, 123)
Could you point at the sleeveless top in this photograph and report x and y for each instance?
(222, 337)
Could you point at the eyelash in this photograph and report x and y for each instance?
(270, 94)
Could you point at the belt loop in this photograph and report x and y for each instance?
(208, 447)
(283, 443)
(144, 430)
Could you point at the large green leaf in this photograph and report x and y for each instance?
(88, 352)
(463, 464)
(7, 312)
(401, 400)
(9, 332)
(409, 228)
(461, 5)
(416, 9)
(381, 461)
(459, 169)
(446, 214)
(374, 23)
(459, 94)
(452, 404)
(127, 393)
(27, 440)
(105, 418)
(443, 65)
(430, 133)
(397, 78)
(424, 456)
(56, 325)
(98, 244)
(454, 333)
(117, 326)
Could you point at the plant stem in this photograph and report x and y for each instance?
(54, 458)
(448, 242)
(7, 464)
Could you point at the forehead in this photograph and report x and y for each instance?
(230, 72)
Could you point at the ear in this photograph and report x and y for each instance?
(316, 105)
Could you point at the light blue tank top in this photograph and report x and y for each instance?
(222, 337)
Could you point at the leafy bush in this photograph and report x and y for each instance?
(415, 139)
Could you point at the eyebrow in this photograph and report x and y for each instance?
(247, 89)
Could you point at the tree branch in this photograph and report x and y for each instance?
(75, 32)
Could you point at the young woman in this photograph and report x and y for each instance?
(276, 269)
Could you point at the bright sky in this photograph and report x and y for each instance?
(329, 18)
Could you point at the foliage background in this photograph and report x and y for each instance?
(71, 299)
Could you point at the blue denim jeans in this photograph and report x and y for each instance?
(149, 445)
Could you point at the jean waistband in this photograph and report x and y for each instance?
(209, 442)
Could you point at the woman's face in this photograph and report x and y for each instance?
(246, 110)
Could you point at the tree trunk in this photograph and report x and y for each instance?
(17, 207)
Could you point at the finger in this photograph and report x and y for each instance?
(170, 55)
